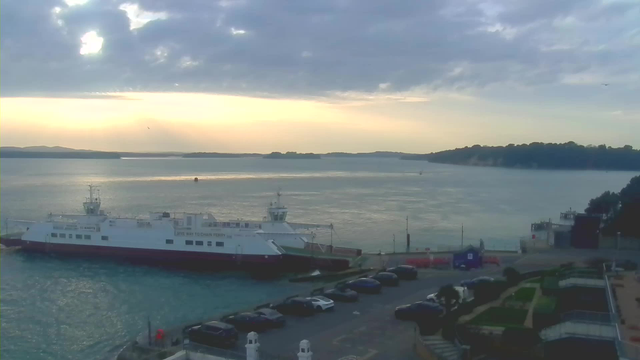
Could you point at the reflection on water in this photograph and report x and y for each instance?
(55, 308)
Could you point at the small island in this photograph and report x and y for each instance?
(291, 155)
(539, 155)
(218, 155)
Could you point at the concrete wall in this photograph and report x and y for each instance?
(626, 243)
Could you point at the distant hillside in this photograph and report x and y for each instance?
(59, 155)
(375, 154)
(291, 155)
(41, 149)
(539, 155)
(218, 155)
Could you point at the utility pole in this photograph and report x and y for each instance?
(394, 243)
(408, 236)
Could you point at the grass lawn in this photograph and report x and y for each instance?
(545, 305)
(524, 294)
(499, 316)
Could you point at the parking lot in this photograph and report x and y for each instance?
(367, 329)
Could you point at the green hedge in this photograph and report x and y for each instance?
(549, 285)
(500, 316)
(545, 304)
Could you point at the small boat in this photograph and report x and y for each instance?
(195, 179)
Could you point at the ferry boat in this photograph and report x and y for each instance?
(191, 239)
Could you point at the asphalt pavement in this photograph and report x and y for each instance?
(368, 329)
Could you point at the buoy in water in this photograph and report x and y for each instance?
(195, 179)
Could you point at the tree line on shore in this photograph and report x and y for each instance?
(539, 155)
(620, 210)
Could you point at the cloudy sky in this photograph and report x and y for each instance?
(329, 75)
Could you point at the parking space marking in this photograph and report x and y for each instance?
(369, 354)
(336, 341)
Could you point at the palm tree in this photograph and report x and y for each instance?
(450, 295)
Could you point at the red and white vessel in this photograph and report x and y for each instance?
(194, 239)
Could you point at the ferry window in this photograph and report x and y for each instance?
(188, 242)
(219, 243)
(105, 237)
(208, 243)
(188, 220)
(199, 242)
(54, 235)
(169, 241)
(237, 224)
(246, 225)
(87, 237)
(259, 226)
(64, 236)
(78, 236)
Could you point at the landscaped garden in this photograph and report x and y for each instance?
(500, 317)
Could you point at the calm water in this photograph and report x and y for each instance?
(53, 308)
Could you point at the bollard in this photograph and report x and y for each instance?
(305, 350)
(252, 346)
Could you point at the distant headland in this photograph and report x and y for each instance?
(535, 155)
(539, 155)
(292, 155)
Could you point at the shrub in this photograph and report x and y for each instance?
(596, 262)
(489, 291)
(512, 275)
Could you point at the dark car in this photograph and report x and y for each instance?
(471, 284)
(248, 322)
(369, 286)
(214, 333)
(342, 293)
(404, 272)
(386, 278)
(296, 306)
(421, 310)
(275, 318)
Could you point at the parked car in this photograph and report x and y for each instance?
(404, 272)
(275, 318)
(364, 286)
(248, 322)
(214, 333)
(322, 303)
(296, 306)
(386, 278)
(342, 293)
(462, 292)
(421, 310)
(471, 284)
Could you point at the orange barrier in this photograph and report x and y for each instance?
(441, 261)
(419, 263)
(491, 260)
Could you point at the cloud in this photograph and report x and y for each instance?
(292, 48)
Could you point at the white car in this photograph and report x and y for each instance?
(322, 303)
(462, 291)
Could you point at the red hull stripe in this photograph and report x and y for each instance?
(168, 255)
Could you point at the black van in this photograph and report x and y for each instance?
(214, 333)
